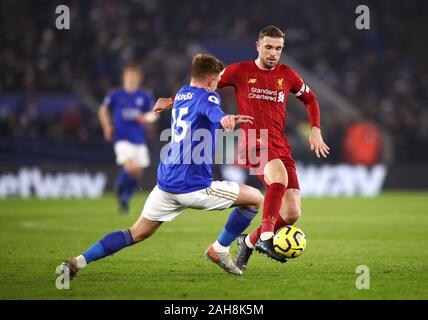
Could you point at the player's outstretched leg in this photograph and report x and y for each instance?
(238, 221)
(112, 243)
(223, 260)
(248, 202)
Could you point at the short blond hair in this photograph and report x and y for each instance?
(204, 65)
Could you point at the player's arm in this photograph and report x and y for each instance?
(305, 94)
(227, 78)
(147, 117)
(147, 114)
(215, 114)
(105, 120)
(163, 104)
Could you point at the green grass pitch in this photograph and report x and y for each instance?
(389, 234)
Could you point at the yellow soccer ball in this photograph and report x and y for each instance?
(289, 241)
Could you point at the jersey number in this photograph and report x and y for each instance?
(179, 123)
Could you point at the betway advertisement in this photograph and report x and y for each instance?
(93, 182)
(33, 182)
(341, 180)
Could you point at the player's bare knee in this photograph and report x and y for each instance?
(279, 178)
(257, 202)
(138, 173)
(249, 197)
(275, 172)
(139, 233)
(132, 169)
(259, 199)
(293, 214)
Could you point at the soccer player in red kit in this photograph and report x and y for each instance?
(262, 87)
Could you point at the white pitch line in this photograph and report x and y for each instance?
(40, 226)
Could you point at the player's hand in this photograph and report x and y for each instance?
(228, 122)
(163, 104)
(148, 117)
(243, 119)
(108, 133)
(317, 143)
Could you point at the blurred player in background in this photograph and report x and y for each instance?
(123, 115)
(262, 87)
(190, 184)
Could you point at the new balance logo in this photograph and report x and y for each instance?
(252, 80)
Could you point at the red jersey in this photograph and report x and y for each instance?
(263, 94)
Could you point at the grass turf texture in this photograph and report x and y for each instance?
(387, 233)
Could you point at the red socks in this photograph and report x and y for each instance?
(255, 235)
(272, 206)
(271, 216)
(279, 223)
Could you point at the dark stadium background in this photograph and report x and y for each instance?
(52, 81)
(365, 206)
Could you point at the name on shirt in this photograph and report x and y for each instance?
(184, 96)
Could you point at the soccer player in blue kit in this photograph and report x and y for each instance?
(123, 115)
(189, 184)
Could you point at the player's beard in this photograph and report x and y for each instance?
(269, 64)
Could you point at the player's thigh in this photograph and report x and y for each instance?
(275, 172)
(161, 206)
(220, 195)
(132, 168)
(249, 197)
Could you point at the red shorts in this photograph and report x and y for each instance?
(283, 154)
(293, 181)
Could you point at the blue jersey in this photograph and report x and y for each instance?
(186, 165)
(125, 107)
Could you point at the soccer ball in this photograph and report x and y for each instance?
(289, 241)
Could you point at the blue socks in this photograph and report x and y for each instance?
(122, 180)
(126, 185)
(133, 185)
(110, 244)
(239, 220)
